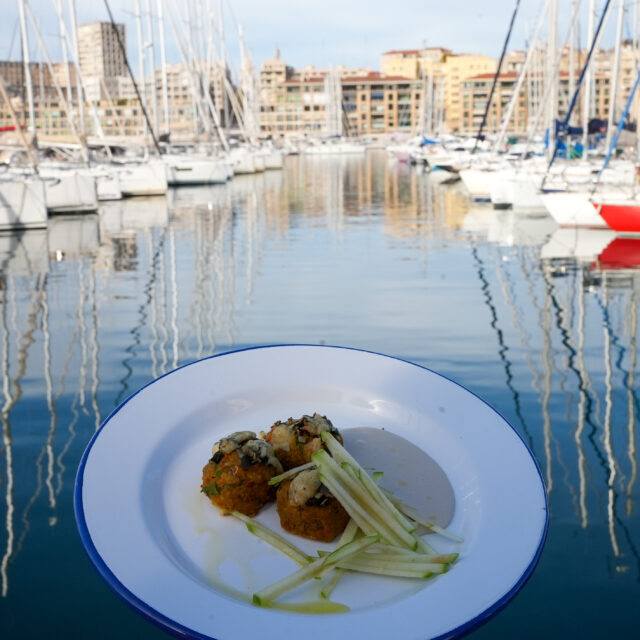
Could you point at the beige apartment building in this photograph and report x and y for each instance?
(294, 103)
(444, 70)
(411, 84)
(101, 59)
(476, 90)
(376, 103)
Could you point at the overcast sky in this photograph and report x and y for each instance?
(316, 32)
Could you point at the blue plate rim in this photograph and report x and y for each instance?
(180, 631)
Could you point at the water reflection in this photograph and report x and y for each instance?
(541, 321)
(589, 279)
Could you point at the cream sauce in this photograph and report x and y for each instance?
(410, 473)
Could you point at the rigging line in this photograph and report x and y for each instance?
(495, 78)
(574, 99)
(133, 80)
(13, 39)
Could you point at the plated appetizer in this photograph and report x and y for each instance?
(322, 493)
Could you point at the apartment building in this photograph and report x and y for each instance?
(295, 103)
(527, 109)
(376, 103)
(101, 59)
(442, 73)
(412, 63)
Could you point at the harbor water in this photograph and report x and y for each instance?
(540, 322)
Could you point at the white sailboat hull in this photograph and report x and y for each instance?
(145, 179)
(500, 191)
(22, 204)
(525, 193)
(242, 161)
(108, 186)
(70, 192)
(335, 148)
(192, 171)
(477, 182)
(573, 209)
(273, 160)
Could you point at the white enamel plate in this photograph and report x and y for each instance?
(161, 545)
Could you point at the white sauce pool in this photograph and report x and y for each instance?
(410, 473)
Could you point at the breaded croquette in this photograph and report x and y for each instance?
(236, 478)
(295, 441)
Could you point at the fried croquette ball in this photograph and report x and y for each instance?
(307, 508)
(295, 441)
(236, 478)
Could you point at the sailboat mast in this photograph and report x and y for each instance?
(65, 55)
(133, 80)
(223, 64)
(572, 51)
(586, 116)
(27, 68)
(552, 79)
(16, 124)
(152, 61)
(163, 62)
(142, 81)
(76, 55)
(67, 105)
(495, 78)
(613, 94)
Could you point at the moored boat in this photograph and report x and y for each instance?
(69, 191)
(620, 215)
(143, 178)
(22, 203)
(188, 170)
(573, 209)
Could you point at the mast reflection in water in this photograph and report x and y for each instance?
(541, 322)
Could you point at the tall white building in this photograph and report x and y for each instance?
(102, 61)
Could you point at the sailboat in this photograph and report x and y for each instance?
(189, 166)
(22, 198)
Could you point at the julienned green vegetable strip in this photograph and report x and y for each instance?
(381, 520)
(336, 574)
(375, 557)
(399, 558)
(340, 454)
(359, 504)
(425, 547)
(331, 584)
(386, 565)
(416, 517)
(270, 593)
(399, 570)
(352, 507)
(290, 473)
(356, 477)
(388, 548)
(275, 540)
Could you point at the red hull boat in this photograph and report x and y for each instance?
(623, 217)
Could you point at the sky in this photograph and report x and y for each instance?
(321, 33)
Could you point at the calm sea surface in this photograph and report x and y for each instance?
(359, 252)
